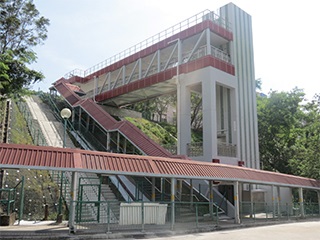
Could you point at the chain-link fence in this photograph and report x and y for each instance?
(252, 212)
(108, 216)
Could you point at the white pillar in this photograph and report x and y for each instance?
(73, 194)
(236, 203)
(209, 118)
(183, 117)
(301, 202)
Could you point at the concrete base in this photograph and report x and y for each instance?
(7, 220)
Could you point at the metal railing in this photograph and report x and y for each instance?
(224, 149)
(204, 15)
(145, 215)
(227, 150)
(33, 124)
(141, 216)
(262, 211)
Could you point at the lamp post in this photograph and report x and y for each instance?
(65, 114)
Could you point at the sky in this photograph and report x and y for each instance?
(83, 33)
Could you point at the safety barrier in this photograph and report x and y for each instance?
(147, 216)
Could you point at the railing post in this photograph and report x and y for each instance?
(142, 215)
(153, 195)
(172, 203)
(210, 199)
(21, 199)
(236, 203)
(301, 203)
(197, 216)
(279, 202)
(73, 194)
(108, 217)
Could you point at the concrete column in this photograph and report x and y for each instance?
(236, 203)
(183, 117)
(172, 203)
(153, 194)
(73, 194)
(209, 118)
(301, 202)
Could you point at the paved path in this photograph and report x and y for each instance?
(289, 231)
(47, 127)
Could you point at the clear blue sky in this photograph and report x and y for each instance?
(85, 32)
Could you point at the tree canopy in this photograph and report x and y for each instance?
(289, 133)
(21, 29)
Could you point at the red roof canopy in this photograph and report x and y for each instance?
(52, 158)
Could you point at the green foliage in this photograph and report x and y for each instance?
(162, 133)
(279, 126)
(21, 29)
(153, 131)
(39, 188)
(289, 133)
(306, 162)
(39, 191)
(19, 129)
(196, 111)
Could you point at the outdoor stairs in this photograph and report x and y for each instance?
(108, 123)
(48, 121)
(107, 197)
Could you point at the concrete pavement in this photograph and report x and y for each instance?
(287, 231)
(305, 230)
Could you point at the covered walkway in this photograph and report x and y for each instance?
(75, 160)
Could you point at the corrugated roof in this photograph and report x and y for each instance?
(40, 157)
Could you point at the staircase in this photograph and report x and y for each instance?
(51, 128)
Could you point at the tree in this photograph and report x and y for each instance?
(279, 127)
(196, 111)
(305, 161)
(21, 29)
